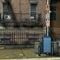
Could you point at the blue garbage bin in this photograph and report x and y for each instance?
(46, 44)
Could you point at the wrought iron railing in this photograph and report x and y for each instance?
(19, 37)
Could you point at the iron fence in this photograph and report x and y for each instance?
(20, 37)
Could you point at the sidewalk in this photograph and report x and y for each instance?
(52, 58)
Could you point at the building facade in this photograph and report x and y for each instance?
(25, 13)
(18, 14)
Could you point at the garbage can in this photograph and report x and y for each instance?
(37, 48)
(55, 47)
(46, 44)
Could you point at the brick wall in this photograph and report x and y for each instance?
(21, 9)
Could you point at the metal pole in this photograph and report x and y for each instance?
(48, 17)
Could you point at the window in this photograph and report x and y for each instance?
(5, 8)
(53, 13)
(53, 16)
(33, 1)
(53, 1)
(33, 11)
(53, 8)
